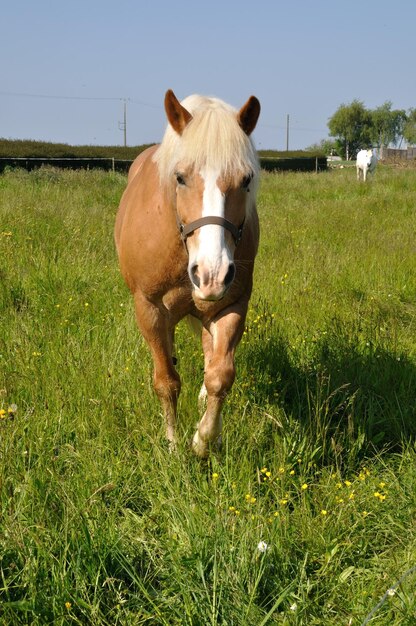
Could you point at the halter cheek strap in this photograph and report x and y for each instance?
(187, 229)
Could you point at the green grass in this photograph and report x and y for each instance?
(100, 525)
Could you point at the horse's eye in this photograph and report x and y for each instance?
(246, 181)
(180, 179)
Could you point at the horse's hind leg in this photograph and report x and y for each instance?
(158, 333)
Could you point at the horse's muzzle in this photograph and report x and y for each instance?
(208, 286)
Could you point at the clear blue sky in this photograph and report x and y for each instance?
(66, 66)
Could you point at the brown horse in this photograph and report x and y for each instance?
(187, 235)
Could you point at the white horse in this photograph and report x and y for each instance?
(366, 162)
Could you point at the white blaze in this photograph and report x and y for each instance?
(210, 258)
(212, 248)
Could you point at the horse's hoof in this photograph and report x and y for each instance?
(199, 447)
(203, 448)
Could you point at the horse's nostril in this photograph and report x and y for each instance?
(229, 277)
(195, 275)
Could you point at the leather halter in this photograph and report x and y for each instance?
(187, 229)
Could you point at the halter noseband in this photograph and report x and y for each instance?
(187, 229)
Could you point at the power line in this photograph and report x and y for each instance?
(146, 104)
(15, 94)
(135, 101)
(54, 97)
(293, 127)
(122, 125)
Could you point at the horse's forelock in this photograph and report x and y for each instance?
(213, 139)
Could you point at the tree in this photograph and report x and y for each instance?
(387, 126)
(409, 131)
(326, 146)
(351, 126)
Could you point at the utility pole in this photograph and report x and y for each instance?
(287, 132)
(123, 125)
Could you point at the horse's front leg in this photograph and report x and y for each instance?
(219, 348)
(158, 332)
(207, 344)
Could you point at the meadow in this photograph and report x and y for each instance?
(307, 516)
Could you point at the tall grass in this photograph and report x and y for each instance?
(307, 515)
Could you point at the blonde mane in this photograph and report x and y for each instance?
(213, 139)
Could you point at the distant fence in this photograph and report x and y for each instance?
(393, 153)
(294, 164)
(31, 163)
(271, 164)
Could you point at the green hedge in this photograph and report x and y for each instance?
(26, 149)
(289, 154)
(42, 149)
(295, 164)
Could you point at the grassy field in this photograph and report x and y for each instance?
(308, 515)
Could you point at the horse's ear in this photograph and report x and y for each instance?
(177, 115)
(249, 114)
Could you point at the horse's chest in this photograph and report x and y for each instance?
(178, 300)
